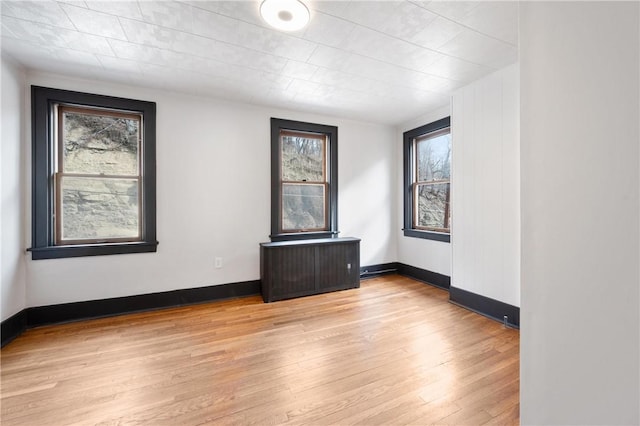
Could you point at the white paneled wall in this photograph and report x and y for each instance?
(485, 235)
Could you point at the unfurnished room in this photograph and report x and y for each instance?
(320, 212)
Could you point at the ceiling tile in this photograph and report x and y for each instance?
(373, 44)
(44, 12)
(77, 57)
(54, 59)
(300, 70)
(371, 14)
(43, 34)
(214, 67)
(382, 71)
(480, 49)
(437, 84)
(79, 3)
(276, 43)
(150, 55)
(459, 70)
(214, 25)
(178, 16)
(328, 30)
(246, 11)
(29, 53)
(230, 54)
(130, 9)
(329, 57)
(335, 8)
(6, 31)
(454, 10)
(436, 33)
(344, 80)
(397, 18)
(150, 35)
(303, 87)
(92, 22)
(119, 64)
(259, 80)
(498, 19)
(407, 20)
(228, 30)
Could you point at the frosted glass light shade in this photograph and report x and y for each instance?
(285, 15)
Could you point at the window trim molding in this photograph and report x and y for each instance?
(408, 172)
(42, 169)
(278, 124)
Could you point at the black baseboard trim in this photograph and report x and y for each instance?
(429, 277)
(13, 326)
(55, 314)
(91, 309)
(486, 306)
(378, 270)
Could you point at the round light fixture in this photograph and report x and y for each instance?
(285, 15)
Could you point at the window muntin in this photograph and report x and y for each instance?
(432, 187)
(124, 178)
(304, 180)
(427, 181)
(98, 181)
(303, 165)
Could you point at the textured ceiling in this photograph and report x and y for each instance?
(381, 61)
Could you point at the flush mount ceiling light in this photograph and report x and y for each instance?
(285, 15)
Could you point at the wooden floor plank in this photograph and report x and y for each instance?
(391, 352)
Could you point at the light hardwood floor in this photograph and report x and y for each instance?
(392, 352)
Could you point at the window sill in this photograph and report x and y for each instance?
(81, 250)
(428, 235)
(303, 236)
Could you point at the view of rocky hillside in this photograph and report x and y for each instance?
(303, 204)
(434, 164)
(433, 206)
(102, 205)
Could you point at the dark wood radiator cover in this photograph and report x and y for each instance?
(304, 267)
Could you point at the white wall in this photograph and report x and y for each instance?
(12, 191)
(213, 162)
(434, 256)
(580, 115)
(485, 184)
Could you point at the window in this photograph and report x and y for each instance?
(304, 180)
(427, 181)
(93, 175)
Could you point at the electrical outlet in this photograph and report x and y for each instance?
(218, 263)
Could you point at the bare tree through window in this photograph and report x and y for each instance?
(432, 187)
(304, 181)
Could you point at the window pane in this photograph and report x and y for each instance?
(302, 158)
(99, 208)
(434, 158)
(433, 206)
(303, 207)
(100, 144)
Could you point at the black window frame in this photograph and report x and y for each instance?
(409, 172)
(43, 101)
(278, 125)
